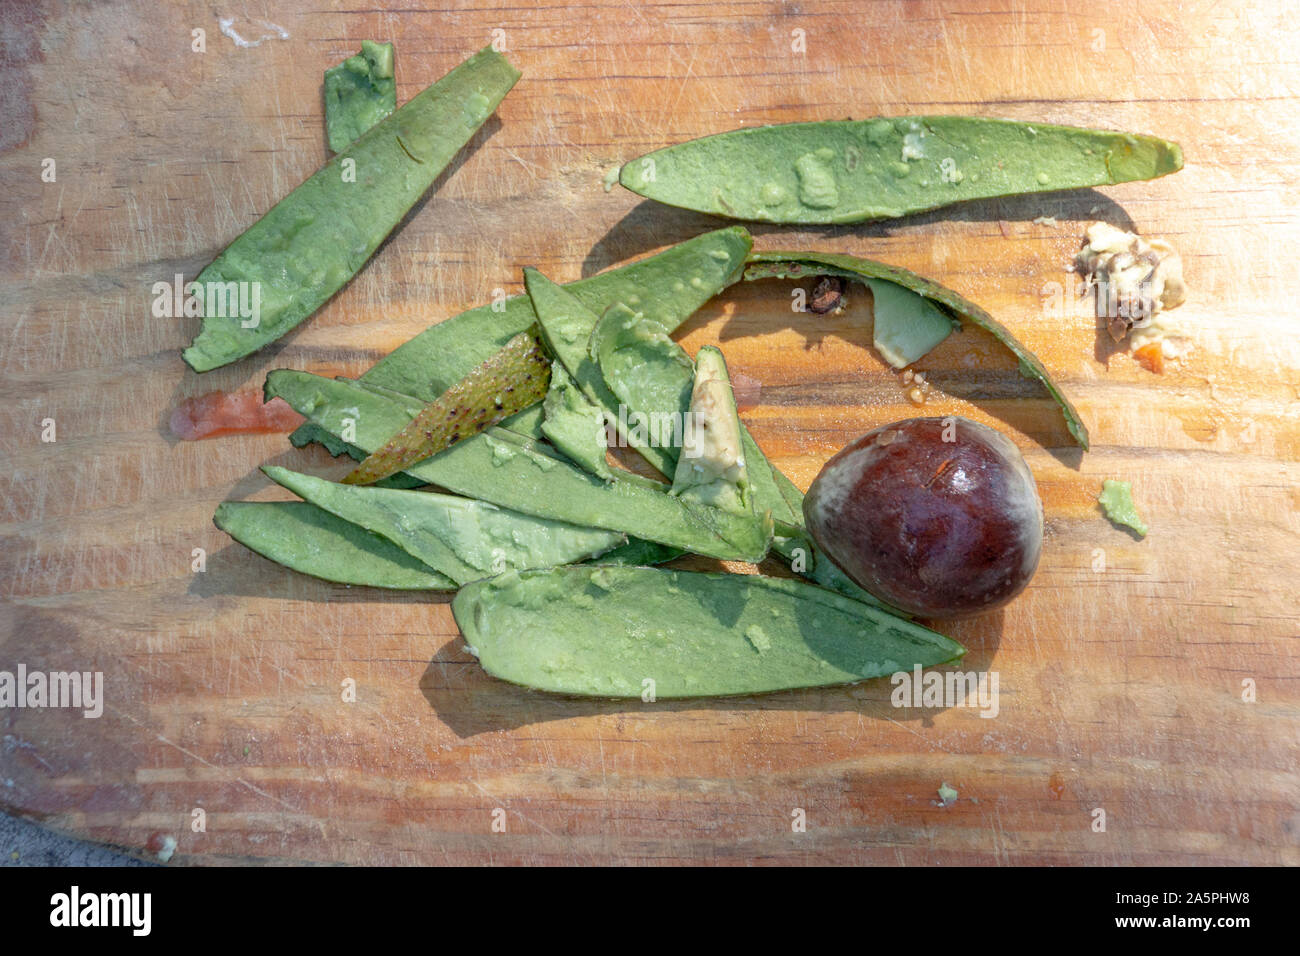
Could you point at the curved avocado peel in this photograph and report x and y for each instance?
(798, 265)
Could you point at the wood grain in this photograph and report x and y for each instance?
(1120, 689)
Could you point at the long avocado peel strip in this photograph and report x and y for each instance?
(459, 537)
(795, 265)
(854, 170)
(312, 541)
(514, 472)
(508, 382)
(359, 92)
(315, 239)
(618, 632)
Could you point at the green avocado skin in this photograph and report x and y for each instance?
(316, 238)
(506, 469)
(854, 170)
(459, 537)
(359, 92)
(789, 264)
(661, 286)
(574, 425)
(625, 632)
(307, 539)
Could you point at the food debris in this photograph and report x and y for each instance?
(947, 795)
(1151, 357)
(269, 31)
(1135, 281)
(1116, 499)
(168, 848)
(232, 413)
(1056, 785)
(1046, 221)
(161, 845)
(918, 389)
(827, 295)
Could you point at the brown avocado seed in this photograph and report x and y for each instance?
(939, 517)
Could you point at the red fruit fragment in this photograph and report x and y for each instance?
(232, 413)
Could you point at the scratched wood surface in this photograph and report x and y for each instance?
(1121, 689)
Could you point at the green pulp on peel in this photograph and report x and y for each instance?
(514, 472)
(316, 238)
(307, 539)
(622, 632)
(906, 325)
(574, 424)
(795, 265)
(854, 170)
(359, 92)
(645, 370)
(462, 538)
(1116, 499)
(669, 286)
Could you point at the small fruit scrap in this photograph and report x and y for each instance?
(231, 413)
(827, 295)
(1116, 499)
(1135, 281)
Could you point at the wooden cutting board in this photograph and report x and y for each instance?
(1123, 672)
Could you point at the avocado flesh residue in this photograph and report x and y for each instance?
(574, 425)
(712, 467)
(359, 92)
(1116, 499)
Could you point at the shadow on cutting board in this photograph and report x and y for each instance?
(651, 225)
(471, 702)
